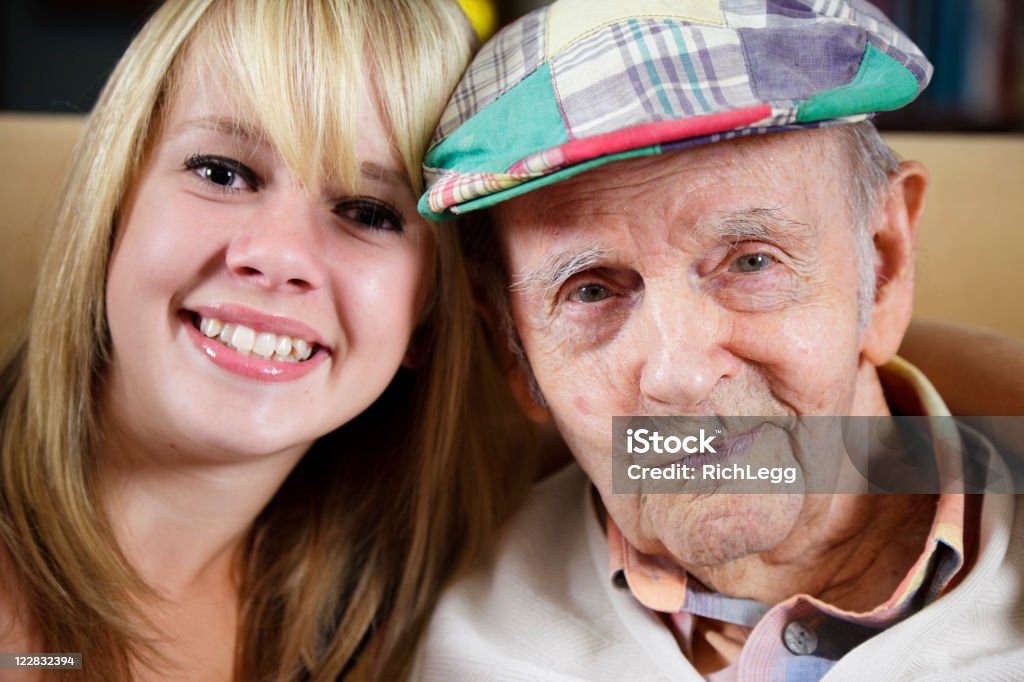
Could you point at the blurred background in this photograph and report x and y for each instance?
(56, 54)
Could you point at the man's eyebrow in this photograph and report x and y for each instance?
(769, 225)
(555, 269)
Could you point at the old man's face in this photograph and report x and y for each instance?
(720, 280)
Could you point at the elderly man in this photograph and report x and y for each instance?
(653, 254)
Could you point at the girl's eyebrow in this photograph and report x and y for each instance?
(371, 171)
(374, 172)
(219, 124)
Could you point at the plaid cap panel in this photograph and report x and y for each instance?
(452, 189)
(784, 13)
(570, 21)
(803, 15)
(502, 63)
(644, 71)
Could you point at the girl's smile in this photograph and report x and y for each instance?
(253, 344)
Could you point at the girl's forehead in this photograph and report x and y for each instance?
(202, 78)
(210, 97)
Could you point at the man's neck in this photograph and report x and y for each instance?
(851, 551)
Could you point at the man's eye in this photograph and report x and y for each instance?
(751, 262)
(374, 214)
(223, 172)
(590, 293)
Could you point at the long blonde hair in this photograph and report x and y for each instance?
(356, 544)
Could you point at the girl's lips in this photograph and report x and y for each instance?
(260, 321)
(247, 366)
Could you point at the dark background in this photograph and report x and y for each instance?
(56, 54)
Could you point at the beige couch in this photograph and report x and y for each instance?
(971, 249)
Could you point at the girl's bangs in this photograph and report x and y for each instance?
(297, 72)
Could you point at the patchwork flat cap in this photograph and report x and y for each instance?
(580, 83)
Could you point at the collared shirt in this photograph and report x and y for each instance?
(802, 637)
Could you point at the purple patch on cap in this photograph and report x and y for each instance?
(804, 60)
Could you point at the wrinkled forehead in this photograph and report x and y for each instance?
(691, 186)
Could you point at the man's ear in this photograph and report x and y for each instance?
(894, 234)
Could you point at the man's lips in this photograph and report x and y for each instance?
(729, 449)
(726, 449)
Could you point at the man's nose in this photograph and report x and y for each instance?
(684, 353)
(279, 248)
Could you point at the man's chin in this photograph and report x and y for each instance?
(722, 528)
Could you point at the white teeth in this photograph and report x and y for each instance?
(211, 326)
(264, 345)
(248, 341)
(284, 346)
(243, 338)
(301, 349)
(227, 332)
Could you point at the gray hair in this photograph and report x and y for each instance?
(868, 164)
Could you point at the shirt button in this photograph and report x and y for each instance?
(800, 639)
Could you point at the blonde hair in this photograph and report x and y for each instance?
(356, 545)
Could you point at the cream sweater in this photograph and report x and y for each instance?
(545, 609)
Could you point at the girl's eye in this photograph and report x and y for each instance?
(590, 293)
(223, 172)
(751, 262)
(218, 176)
(371, 213)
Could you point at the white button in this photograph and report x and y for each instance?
(800, 639)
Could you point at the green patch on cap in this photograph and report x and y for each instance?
(526, 117)
(881, 84)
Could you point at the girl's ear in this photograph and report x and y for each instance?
(412, 357)
(416, 351)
